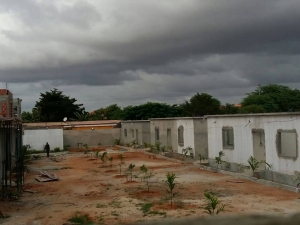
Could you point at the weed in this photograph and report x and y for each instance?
(117, 141)
(219, 158)
(201, 158)
(146, 208)
(81, 218)
(254, 164)
(100, 206)
(57, 149)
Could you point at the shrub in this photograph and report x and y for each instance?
(212, 204)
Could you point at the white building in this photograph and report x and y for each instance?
(267, 137)
(180, 133)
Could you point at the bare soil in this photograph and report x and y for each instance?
(108, 197)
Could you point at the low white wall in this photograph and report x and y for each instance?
(38, 138)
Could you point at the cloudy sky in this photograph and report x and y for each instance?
(103, 52)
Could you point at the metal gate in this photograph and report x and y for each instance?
(11, 156)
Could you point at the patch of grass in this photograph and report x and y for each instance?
(155, 212)
(146, 207)
(100, 206)
(81, 218)
(114, 213)
(115, 204)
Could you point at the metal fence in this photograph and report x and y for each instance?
(12, 158)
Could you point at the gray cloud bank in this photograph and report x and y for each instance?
(149, 50)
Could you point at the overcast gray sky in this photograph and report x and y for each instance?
(134, 51)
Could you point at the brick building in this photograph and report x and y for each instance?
(6, 103)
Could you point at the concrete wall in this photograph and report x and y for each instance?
(163, 126)
(194, 134)
(91, 137)
(143, 129)
(38, 138)
(243, 140)
(188, 134)
(200, 137)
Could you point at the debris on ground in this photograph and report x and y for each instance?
(235, 181)
(45, 177)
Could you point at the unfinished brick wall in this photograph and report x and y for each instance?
(6, 103)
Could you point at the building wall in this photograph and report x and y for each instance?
(188, 134)
(243, 140)
(6, 103)
(38, 138)
(143, 128)
(201, 137)
(90, 137)
(17, 111)
(163, 126)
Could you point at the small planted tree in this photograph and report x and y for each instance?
(87, 148)
(253, 163)
(212, 204)
(111, 159)
(170, 182)
(117, 141)
(121, 163)
(104, 157)
(97, 153)
(146, 175)
(130, 170)
(219, 158)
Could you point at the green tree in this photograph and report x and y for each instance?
(229, 109)
(274, 98)
(111, 112)
(252, 109)
(152, 110)
(201, 105)
(27, 117)
(53, 106)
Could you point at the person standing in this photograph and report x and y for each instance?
(47, 148)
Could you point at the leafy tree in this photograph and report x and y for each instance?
(27, 117)
(252, 109)
(274, 98)
(152, 110)
(111, 112)
(201, 105)
(229, 109)
(84, 116)
(53, 106)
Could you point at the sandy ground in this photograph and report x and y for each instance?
(86, 185)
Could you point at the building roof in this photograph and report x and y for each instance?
(255, 114)
(71, 123)
(177, 118)
(135, 121)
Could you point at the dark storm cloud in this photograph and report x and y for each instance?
(164, 48)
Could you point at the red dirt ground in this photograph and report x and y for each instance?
(90, 187)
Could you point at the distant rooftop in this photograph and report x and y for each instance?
(256, 114)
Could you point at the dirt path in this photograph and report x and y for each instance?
(88, 186)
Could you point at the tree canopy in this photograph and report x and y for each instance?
(274, 98)
(152, 110)
(201, 105)
(53, 106)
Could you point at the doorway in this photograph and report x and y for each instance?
(259, 150)
(169, 141)
(137, 136)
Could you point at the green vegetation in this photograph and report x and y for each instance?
(201, 158)
(81, 218)
(170, 182)
(212, 204)
(254, 164)
(219, 158)
(130, 170)
(117, 141)
(121, 163)
(146, 175)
